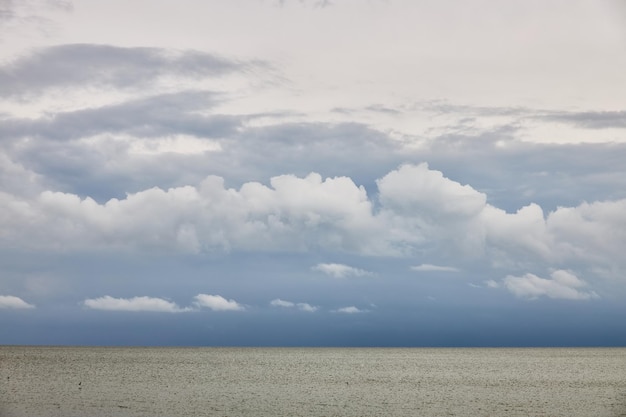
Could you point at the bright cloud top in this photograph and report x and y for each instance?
(148, 304)
(340, 270)
(289, 304)
(433, 268)
(13, 302)
(562, 284)
(217, 303)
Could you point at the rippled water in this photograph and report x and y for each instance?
(72, 381)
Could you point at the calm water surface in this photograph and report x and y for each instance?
(73, 381)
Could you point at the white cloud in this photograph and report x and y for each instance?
(349, 310)
(340, 270)
(281, 303)
(133, 304)
(421, 207)
(418, 210)
(492, 284)
(306, 307)
(11, 301)
(217, 303)
(416, 190)
(434, 268)
(288, 304)
(562, 284)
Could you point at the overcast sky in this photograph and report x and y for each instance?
(308, 172)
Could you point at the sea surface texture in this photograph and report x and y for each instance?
(108, 381)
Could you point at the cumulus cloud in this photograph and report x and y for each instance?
(13, 302)
(288, 304)
(349, 310)
(420, 205)
(418, 210)
(340, 270)
(295, 214)
(217, 303)
(418, 190)
(433, 268)
(561, 284)
(133, 304)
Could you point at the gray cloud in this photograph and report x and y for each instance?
(62, 148)
(590, 119)
(433, 268)
(24, 15)
(6, 10)
(145, 117)
(81, 65)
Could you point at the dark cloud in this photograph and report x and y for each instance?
(81, 65)
(145, 117)
(493, 160)
(590, 119)
(62, 148)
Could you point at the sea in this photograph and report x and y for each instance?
(155, 381)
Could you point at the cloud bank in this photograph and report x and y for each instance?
(416, 210)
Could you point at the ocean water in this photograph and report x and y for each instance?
(110, 381)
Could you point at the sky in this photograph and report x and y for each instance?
(313, 172)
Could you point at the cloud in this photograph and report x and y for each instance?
(416, 190)
(28, 16)
(433, 268)
(107, 66)
(158, 115)
(217, 303)
(281, 303)
(133, 304)
(349, 310)
(288, 304)
(417, 211)
(340, 270)
(10, 301)
(295, 214)
(420, 205)
(307, 307)
(315, 3)
(562, 284)
(492, 283)
(590, 119)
